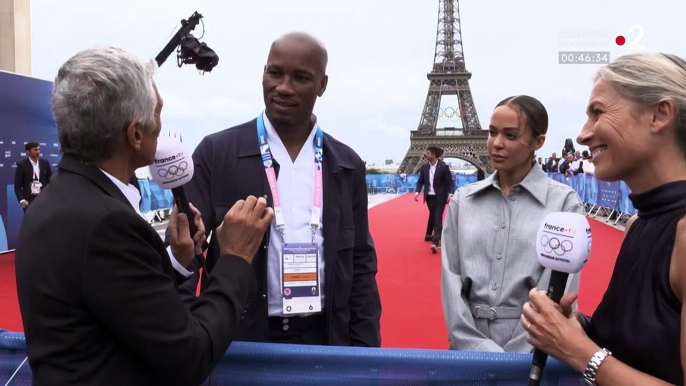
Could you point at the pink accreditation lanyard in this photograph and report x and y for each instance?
(268, 163)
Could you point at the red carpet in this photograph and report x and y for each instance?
(10, 318)
(409, 276)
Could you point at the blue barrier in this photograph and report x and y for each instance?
(611, 195)
(153, 197)
(269, 364)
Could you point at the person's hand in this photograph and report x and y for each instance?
(450, 197)
(416, 196)
(183, 247)
(241, 232)
(556, 330)
(24, 204)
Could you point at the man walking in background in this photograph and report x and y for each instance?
(437, 181)
(32, 175)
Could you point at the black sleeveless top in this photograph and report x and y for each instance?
(639, 318)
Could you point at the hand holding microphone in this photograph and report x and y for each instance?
(184, 248)
(171, 170)
(563, 243)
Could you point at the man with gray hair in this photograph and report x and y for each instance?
(98, 295)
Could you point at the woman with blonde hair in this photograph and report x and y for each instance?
(636, 131)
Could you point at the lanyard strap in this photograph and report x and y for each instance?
(268, 163)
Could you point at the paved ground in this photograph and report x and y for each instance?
(376, 199)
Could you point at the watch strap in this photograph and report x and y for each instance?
(594, 364)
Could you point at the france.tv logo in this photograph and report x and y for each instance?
(558, 229)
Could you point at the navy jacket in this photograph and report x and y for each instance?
(443, 181)
(228, 168)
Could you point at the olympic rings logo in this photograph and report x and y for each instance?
(448, 114)
(173, 170)
(553, 244)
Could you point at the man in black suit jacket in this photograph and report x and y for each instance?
(97, 292)
(437, 181)
(229, 165)
(32, 175)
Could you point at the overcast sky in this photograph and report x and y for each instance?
(379, 54)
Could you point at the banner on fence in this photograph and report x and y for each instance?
(608, 194)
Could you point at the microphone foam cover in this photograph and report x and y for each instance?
(172, 167)
(563, 242)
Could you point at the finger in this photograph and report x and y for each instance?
(540, 301)
(197, 220)
(184, 232)
(531, 315)
(236, 208)
(568, 299)
(249, 205)
(260, 205)
(173, 221)
(525, 323)
(199, 238)
(266, 219)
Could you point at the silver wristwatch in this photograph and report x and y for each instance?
(592, 368)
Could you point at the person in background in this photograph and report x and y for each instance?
(589, 167)
(553, 164)
(566, 165)
(438, 185)
(32, 175)
(569, 147)
(636, 134)
(575, 165)
(489, 261)
(96, 286)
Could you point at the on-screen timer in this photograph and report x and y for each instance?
(620, 40)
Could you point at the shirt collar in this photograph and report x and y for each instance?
(536, 183)
(130, 192)
(273, 136)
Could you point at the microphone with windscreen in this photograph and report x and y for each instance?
(172, 169)
(563, 243)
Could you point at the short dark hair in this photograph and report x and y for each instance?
(434, 150)
(31, 145)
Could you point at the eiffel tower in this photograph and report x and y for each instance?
(449, 76)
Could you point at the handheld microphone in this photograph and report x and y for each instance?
(172, 169)
(563, 243)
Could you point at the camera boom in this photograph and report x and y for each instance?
(190, 50)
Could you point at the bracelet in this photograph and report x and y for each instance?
(592, 368)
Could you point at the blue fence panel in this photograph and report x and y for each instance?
(280, 364)
(153, 197)
(613, 195)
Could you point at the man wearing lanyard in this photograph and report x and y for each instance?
(316, 270)
(32, 175)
